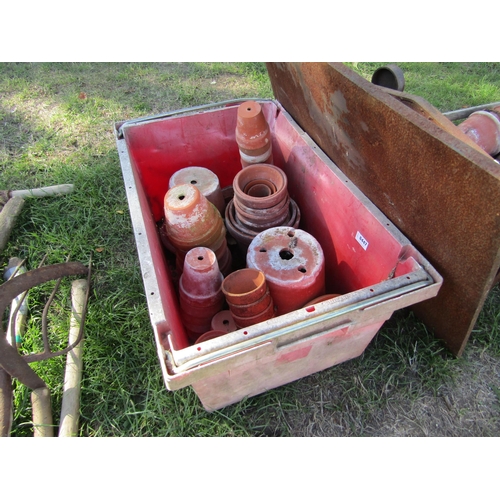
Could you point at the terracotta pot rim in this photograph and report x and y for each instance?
(244, 293)
(268, 313)
(322, 298)
(258, 213)
(211, 334)
(237, 226)
(263, 172)
(253, 308)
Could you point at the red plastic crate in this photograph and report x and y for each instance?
(368, 261)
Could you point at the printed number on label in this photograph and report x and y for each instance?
(361, 240)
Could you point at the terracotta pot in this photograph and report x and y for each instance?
(244, 286)
(253, 135)
(200, 293)
(190, 219)
(483, 127)
(256, 214)
(239, 233)
(268, 217)
(268, 174)
(293, 262)
(224, 321)
(252, 308)
(244, 234)
(212, 334)
(322, 298)
(243, 322)
(205, 180)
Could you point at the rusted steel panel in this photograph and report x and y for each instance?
(412, 162)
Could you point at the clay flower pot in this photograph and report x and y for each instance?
(243, 322)
(190, 219)
(269, 175)
(252, 308)
(253, 134)
(248, 297)
(294, 265)
(200, 294)
(205, 180)
(483, 127)
(322, 298)
(223, 321)
(212, 334)
(243, 233)
(244, 286)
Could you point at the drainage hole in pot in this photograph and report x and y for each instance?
(285, 254)
(194, 181)
(245, 333)
(262, 250)
(181, 197)
(291, 234)
(302, 269)
(225, 322)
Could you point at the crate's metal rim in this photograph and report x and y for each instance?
(190, 357)
(186, 111)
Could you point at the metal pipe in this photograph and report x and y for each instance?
(460, 114)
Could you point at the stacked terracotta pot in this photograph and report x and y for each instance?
(192, 221)
(200, 292)
(293, 263)
(260, 201)
(248, 297)
(253, 135)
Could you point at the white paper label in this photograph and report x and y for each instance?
(361, 240)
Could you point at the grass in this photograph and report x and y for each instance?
(57, 127)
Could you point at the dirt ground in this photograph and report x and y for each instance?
(467, 408)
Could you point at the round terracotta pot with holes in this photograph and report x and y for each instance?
(205, 180)
(212, 334)
(293, 263)
(253, 135)
(266, 175)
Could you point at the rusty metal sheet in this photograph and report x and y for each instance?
(434, 184)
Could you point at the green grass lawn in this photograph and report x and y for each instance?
(56, 127)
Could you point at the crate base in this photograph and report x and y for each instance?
(288, 364)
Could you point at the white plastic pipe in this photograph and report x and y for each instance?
(70, 409)
(43, 191)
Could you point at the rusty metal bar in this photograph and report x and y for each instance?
(460, 114)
